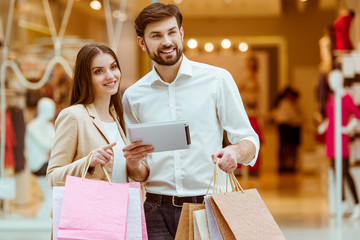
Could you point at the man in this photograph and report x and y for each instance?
(205, 96)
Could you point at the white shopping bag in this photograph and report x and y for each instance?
(133, 231)
(58, 193)
(214, 229)
(7, 188)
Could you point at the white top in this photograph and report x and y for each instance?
(288, 112)
(208, 98)
(119, 167)
(39, 138)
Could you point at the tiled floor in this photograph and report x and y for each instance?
(298, 203)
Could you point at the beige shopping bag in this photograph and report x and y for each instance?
(185, 228)
(242, 214)
(201, 229)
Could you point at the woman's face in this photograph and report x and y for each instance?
(105, 75)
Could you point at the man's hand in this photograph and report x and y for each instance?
(135, 152)
(227, 159)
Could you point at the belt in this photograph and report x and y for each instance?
(174, 200)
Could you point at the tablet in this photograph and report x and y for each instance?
(163, 136)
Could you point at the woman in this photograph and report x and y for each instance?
(89, 134)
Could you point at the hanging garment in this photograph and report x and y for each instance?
(341, 32)
(17, 116)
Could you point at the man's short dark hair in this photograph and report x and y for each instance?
(156, 12)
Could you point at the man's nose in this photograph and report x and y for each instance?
(166, 41)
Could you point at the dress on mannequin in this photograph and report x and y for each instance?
(39, 137)
(342, 30)
(348, 109)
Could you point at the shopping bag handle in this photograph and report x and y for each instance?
(87, 165)
(216, 181)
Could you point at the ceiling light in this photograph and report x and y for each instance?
(192, 43)
(209, 47)
(119, 15)
(95, 4)
(243, 47)
(226, 43)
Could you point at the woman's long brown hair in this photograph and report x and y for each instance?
(82, 91)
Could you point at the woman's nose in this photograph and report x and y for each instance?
(109, 74)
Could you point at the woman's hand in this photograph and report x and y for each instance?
(102, 155)
(135, 152)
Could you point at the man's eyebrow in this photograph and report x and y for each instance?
(173, 28)
(153, 32)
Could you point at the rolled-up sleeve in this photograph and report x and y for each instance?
(232, 115)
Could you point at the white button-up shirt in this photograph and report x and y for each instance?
(208, 99)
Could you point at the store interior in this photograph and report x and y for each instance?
(267, 45)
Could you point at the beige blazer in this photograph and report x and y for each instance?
(78, 132)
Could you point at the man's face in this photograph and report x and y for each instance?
(163, 41)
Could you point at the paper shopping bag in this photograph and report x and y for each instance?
(185, 228)
(93, 210)
(241, 214)
(214, 230)
(136, 223)
(244, 215)
(58, 193)
(201, 229)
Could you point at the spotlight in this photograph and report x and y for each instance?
(243, 47)
(209, 47)
(95, 4)
(226, 43)
(192, 43)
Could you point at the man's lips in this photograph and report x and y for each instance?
(168, 51)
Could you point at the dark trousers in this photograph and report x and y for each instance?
(347, 176)
(162, 220)
(289, 137)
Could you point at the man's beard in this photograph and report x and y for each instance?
(164, 61)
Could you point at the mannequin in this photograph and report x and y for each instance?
(348, 109)
(39, 137)
(325, 47)
(342, 30)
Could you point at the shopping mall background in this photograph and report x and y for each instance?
(283, 35)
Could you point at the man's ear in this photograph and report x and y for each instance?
(141, 43)
(182, 33)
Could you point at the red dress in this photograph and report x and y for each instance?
(348, 108)
(341, 32)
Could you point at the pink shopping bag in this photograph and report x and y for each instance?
(93, 210)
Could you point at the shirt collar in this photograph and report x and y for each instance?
(184, 70)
